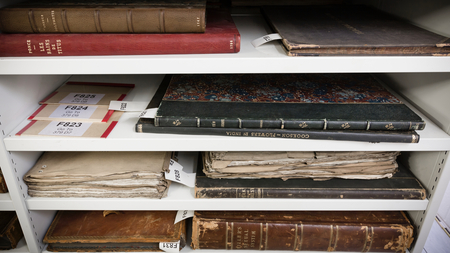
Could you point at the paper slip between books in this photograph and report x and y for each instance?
(71, 128)
(99, 174)
(88, 93)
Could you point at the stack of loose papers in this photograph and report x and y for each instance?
(285, 165)
(99, 174)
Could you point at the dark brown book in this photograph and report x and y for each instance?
(358, 231)
(104, 16)
(350, 30)
(3, 187)
(10, 230)
(90, 231)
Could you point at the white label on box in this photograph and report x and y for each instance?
(183, 214)
(170, 246)
(66, 128)
(128, 106)
(149, 113)
(82, 98)
(73, 111)
(266, 38)
(177, 174)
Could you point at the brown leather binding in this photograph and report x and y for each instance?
(10, 230)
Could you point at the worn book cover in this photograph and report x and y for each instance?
(402, 185)
(10, 230)
(350, 30)
(71, 128)
(99, 174)
(93, 231)
(354, 231)
(81, 113)
(104, 16)
(283, 101)
(88, 93)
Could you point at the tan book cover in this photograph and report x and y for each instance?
(88, 93)
(79, 113)
(70, 128)
(89, 231)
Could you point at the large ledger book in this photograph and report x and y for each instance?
(402, 185)
(220, 36)
(104, 16)
(283, 101)
(318, 165)
(99, 174)
(355, 231)
(350, 30)
(93, 231)
(10, 230)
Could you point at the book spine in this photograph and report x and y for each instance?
(301, 236)
(116, 44)
(13, 233)
(288, 124)
(102, 20)
(366, 136)
(249, 192)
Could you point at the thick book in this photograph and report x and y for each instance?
(220, 36)
(93, 231)
(10, 230)
(402, 185)
(350, 30)
(104, 16)
(283, 101)
(354, 231)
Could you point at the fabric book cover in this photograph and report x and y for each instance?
(283, 101)
(402, 185)
(10, 230)
(350, 30)
(104, 16)
(93, 231)
(352, 231)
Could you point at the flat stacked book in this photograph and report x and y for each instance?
(112, 231)
(78, 109)
(300, 106)
(352, 231)
(400, 185)
(10, 230)
(350, 30)
(99, 174)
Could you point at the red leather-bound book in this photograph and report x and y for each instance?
(221, 36)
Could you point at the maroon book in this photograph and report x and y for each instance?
(220, 36)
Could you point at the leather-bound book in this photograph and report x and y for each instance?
(350, 30)
(104, 16)
(10, 230)
(93, 231)
(355, 231)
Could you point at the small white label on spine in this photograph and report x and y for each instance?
(149, 113)
(266, 38)
(128, 106)
(82, 98)
(183, 214)
(170, 246)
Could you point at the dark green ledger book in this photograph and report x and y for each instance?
(283, 101)
(403, 185)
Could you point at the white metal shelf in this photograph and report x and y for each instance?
(6, 203)
(124, 137)
(268, 58)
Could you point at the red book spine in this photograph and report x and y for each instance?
(221, 36)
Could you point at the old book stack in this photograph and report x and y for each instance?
(350, 30)
(99, 174)
(78, 109)
(115, 231)
(10, 230)
(357, 231)
(68, 28)
(330, 175)
(304, 106)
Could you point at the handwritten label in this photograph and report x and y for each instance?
(82, 98)
(128, 106)
(149, 113)
(183, 214)
(169, 246)
(266, 38)
(65, 128)
(176, 174)
(73, 111)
